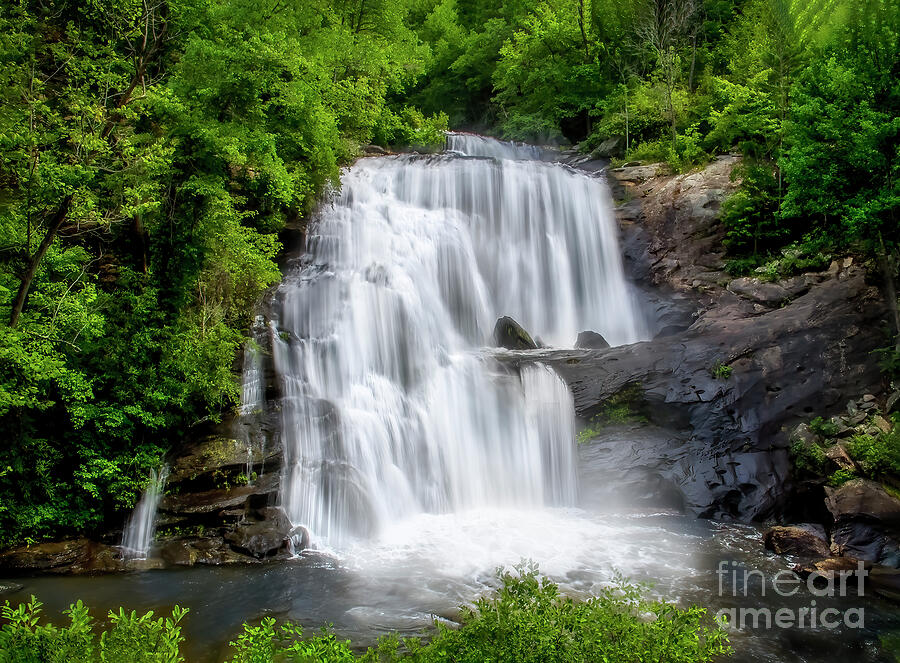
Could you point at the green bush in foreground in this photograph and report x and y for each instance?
(527, 620)
(130, 639)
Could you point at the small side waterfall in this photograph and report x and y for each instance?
(141, 526)
(390, 404)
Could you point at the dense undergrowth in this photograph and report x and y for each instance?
(527, 621)
(840, 453)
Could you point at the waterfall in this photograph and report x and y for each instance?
(473, 145)
(141, 526)
(390, 404)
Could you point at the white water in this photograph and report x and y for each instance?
(141, 526)
(391, 409)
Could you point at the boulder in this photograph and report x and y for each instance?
(511, 335)
(861, 498)
(837, 454)
(768, 294)
(891, 402)
(611, 147)
(591, 340)
(829, 565)
(191, 551)
(263, 538)
(869, 541)
(803, 434)
(866, 520)
(881, 423)
(803, 541)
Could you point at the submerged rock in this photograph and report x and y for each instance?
(511, 335)
(830, 565)
(7, 587)
(591, 340)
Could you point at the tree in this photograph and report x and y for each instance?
(662, 25)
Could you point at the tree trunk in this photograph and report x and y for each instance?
(888, 262)
(55, 222)
(693, 63)
(584, 39)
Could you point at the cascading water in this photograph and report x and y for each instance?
(391, 407)
(141, 526)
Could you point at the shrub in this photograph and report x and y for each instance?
(130, 639)
(526, 621)
(809, 458)
(841, 477)
(877, 455)
(823, 427)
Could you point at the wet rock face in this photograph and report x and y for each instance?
(671, 223)
(732, 385)
(735, 363)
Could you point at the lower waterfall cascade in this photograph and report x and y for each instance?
(391, 403)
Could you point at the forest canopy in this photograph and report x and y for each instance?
(152, 153)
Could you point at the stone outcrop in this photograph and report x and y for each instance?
(73, 556)
(732, 385)
(736, 363)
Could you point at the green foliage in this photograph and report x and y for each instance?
(889, 361)
(721, 371)
(527, 620)
(890, 643)
(750, 214)
(877, 455)
(809, 458)
(153, 153)
(130, 638)
(824, 427)
(840, 477)
(411, 128)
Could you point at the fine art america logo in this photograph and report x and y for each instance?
(734, 581)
